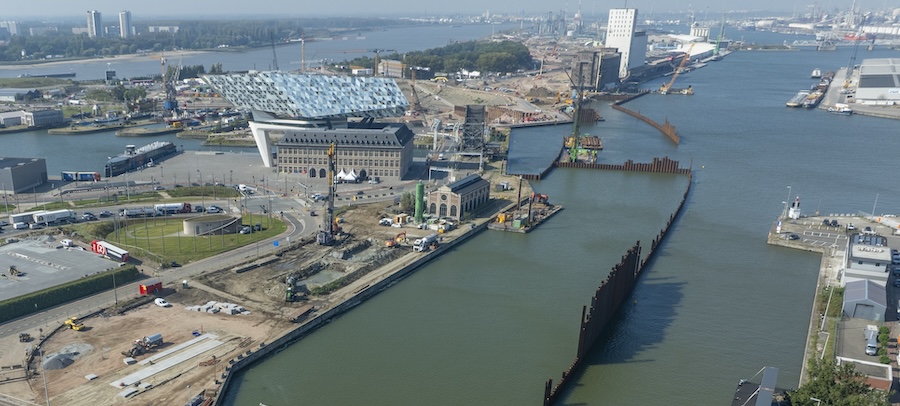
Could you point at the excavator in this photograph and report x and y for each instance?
(398, 239)
(536, 197)
(666, 88)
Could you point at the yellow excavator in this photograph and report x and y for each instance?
(74, 324)
(666, 88)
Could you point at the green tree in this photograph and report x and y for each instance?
(838, 385)
(407, 201)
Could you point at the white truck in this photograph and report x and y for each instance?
(422, 244)
(54, 216)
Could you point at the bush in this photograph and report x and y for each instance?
(44, 299)
(884, 359)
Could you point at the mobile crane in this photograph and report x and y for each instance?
(665, 89)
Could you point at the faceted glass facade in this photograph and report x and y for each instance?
(290, 95)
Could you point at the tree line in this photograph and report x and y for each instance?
(503, 56)
(205, 34)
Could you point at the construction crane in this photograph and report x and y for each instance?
(416, 105)
(665, 89)
(326, 236)
(574, 142)
(377, 52)
(170, 103)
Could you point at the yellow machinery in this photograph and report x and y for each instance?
(74, 324)
(664, 89)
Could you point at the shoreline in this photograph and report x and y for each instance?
(113, 59)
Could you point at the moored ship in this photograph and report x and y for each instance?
(798, 99)
(134, 158)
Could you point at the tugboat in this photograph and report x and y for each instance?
(840, 109)
(816, 73)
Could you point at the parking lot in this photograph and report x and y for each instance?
(44, 262)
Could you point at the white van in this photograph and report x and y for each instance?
(20, 226)
(872, 346)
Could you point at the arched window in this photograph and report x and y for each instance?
(322, 173)
(312, 172)
(453, 211)
(443, 212)
(432, 209)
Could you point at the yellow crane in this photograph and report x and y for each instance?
(664, 89)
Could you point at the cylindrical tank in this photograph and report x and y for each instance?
(420, 202)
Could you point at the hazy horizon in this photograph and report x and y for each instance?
(169, 9)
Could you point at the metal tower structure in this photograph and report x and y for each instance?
(473, 129)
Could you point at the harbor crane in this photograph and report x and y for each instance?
(666, 88)
(170, 103)
(578, 96)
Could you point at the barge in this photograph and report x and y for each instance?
(136, 158)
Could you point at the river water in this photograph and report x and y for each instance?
(491, 320)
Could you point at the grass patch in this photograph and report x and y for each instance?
(52, 206)
(11, 207)
(211, 191)
(28, 83)
(116, 199)
(162, 239)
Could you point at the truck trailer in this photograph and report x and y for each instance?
(172, 208)
(137, 212)
(53, 216)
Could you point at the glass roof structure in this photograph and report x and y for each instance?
(292, 95)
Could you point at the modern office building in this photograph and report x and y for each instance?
(621, 34)
(11, 26)
(94, 24)
(314, 110)
(125, 24)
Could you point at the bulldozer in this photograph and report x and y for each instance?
(74, 324)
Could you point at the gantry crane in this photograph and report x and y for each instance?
(326, 236)
(664, 89)
(574, 142)
(170, 103)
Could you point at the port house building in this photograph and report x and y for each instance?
(365, 151)
(291, 105)
(458, 198)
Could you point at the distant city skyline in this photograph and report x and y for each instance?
(283, 8)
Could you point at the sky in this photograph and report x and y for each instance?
(69, 10)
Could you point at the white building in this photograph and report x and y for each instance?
(879, 82)
(94, 23)
(285, 103)
(125, 24)
(11, 26)
(621, 34)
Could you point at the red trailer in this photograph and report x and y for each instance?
(150, 287)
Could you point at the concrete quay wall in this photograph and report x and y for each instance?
(365, 293)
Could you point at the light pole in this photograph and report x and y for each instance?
(873, 206)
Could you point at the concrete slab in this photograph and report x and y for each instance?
(154, 369)
(178, 347)
(45, 263)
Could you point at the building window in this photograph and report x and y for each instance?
(443, 212)
(453, 211)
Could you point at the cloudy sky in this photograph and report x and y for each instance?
(68, 9)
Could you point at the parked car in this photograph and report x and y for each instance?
(245, 230)
(834, 223)
(161, 302)
(157, 187)
(850, 227)
(793, 237)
